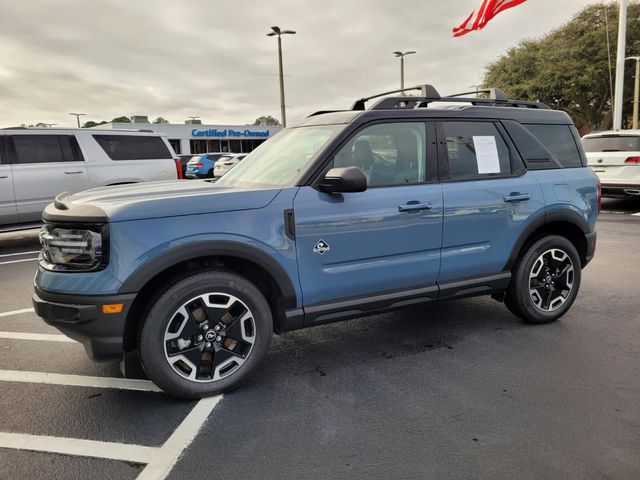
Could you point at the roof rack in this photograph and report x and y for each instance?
(428, 94)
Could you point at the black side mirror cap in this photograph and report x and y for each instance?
(343, 180)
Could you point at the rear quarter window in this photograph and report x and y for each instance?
(544, 147)
(133, 147)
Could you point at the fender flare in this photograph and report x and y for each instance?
(212, 248)
(565, 215)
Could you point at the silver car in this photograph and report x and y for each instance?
(36, 164)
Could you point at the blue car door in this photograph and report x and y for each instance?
(385, 239)
(489, 198)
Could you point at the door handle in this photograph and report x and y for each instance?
(4, 176)
(516, 197)
(72, 172)
(414, 205)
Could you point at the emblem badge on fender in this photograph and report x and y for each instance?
(321, 247)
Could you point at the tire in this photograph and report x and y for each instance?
(205, 335)
(545, 280)
(210, 174)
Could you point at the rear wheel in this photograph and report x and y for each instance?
(205, 335)
(545, 281)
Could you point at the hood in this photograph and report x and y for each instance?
(155, 199)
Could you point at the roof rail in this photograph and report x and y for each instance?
(426, 91)
(428, 94)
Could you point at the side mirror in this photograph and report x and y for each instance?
(343, 180)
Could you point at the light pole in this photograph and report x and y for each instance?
(619, 87)
(402, 55)
(78, 115)
(636, 91)
(277, 31)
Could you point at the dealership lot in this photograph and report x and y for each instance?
(456, 390)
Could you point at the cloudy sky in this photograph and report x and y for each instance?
(212, 59)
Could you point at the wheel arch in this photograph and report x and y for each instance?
(565, 223)
(254, 264)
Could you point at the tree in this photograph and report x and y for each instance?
(267, 120)
(568, 68)
(121, 120)
(91, 123)
(161, 120)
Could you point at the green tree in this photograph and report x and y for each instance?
(161, 120)
(568, 68)
(121, 120)
(267, 120)
(91, 123)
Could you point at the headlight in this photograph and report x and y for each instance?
(73, 247)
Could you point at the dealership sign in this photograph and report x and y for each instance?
(229, 133)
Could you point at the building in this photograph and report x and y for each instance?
(194, 137)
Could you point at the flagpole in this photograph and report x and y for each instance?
(622, 40)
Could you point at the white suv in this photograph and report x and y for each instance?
(37, 164)
(226, 163)
(615, 157)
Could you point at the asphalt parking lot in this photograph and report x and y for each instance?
(456, 390)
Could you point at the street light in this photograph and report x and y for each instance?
(78, 115)
(277, 31)
(636, 91)
(402, 55)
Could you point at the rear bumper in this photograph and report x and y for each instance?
(195, 175)
(621, 189)
(81, 318)
(591, 246)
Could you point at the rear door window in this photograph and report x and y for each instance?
(45, 149)
(133, 147)
(475, 150)
(612, 143)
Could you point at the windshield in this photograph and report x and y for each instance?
(612, 143)
(278, 161)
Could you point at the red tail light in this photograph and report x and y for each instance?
(599, 196)
(197, 165)
(179, 168)
(632, 161)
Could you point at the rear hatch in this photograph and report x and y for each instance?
(614, 157)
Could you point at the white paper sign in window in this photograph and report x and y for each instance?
(486, 154)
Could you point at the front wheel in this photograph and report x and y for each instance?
(545, 280)
(205, 334)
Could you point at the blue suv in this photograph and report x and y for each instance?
(414, 200)
(202, 165)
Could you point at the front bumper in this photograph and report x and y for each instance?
(80, 317)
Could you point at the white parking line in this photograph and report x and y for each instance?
(38, 337)
(163, 460)
(20, 253)
(18, 261)
(16, 312)
(80, 447)
(77, 380)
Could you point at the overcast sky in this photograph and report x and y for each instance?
(212, 58)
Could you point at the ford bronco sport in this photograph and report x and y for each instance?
(414, 200)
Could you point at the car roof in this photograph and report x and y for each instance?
(522, 115)
(613, 133)
(110, 131)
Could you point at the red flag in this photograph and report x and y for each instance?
(479, 18)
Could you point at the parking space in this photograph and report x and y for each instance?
(454, 390)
